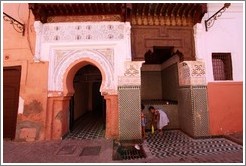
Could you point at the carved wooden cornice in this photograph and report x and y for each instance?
(46, 11)
(170, 14)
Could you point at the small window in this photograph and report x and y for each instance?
(222, 66)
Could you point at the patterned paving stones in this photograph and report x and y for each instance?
(87, 128)
(86, 144)
(174, 143)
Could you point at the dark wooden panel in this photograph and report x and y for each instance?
(11, 87)
(145, 38)
(186, 14)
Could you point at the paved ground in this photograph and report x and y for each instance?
(86, 144)
(171, 147)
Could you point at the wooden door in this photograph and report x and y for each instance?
(11, 88)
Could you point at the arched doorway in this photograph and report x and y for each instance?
(87, 105)
(66, 56)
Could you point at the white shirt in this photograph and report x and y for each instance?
(163, 119)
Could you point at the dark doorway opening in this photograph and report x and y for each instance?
(98, 102)
(87, 105)
(11, 88)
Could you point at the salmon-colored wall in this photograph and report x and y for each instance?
(57, 117)
(112, 116)
(19, 50)
(225, 104)
(14, 42)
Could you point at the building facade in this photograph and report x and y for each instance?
(70, 59)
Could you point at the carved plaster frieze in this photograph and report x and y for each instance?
(108, 53)
(86, 31)
(191, 73)
(132, 74)
(59, 54)
(94, 18)
(198, 70)
(62, 59)
(132, 68)
(105, 44)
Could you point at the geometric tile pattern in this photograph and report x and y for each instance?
(199, 107)
(173, 143)
(192, 110)
(185, 113)
(88, 127)
(129, 112)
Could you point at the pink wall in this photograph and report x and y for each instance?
(19, 49)
(225, 104)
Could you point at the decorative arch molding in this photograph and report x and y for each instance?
(69, 46)
(63, 60)
(106, 44)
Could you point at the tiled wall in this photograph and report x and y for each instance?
(129, 112)
(193, 112)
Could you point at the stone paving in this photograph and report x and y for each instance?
(101, 151)
(86, 144)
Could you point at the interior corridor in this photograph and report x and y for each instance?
(87, 106)
(88, 126)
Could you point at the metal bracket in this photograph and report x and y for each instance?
(210, 22)
(19, 27)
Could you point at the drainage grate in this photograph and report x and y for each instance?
(128, 152)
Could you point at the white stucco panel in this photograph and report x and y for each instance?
(191, 73)
(132, 74)
(61, 44)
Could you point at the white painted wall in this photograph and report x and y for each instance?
(63, 43)
(226, 35)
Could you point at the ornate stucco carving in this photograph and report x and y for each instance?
(108, 53)
(63, 44)
(62, 59)
(191, 73)
(84, 18)
(132, 74)
(76, 32)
